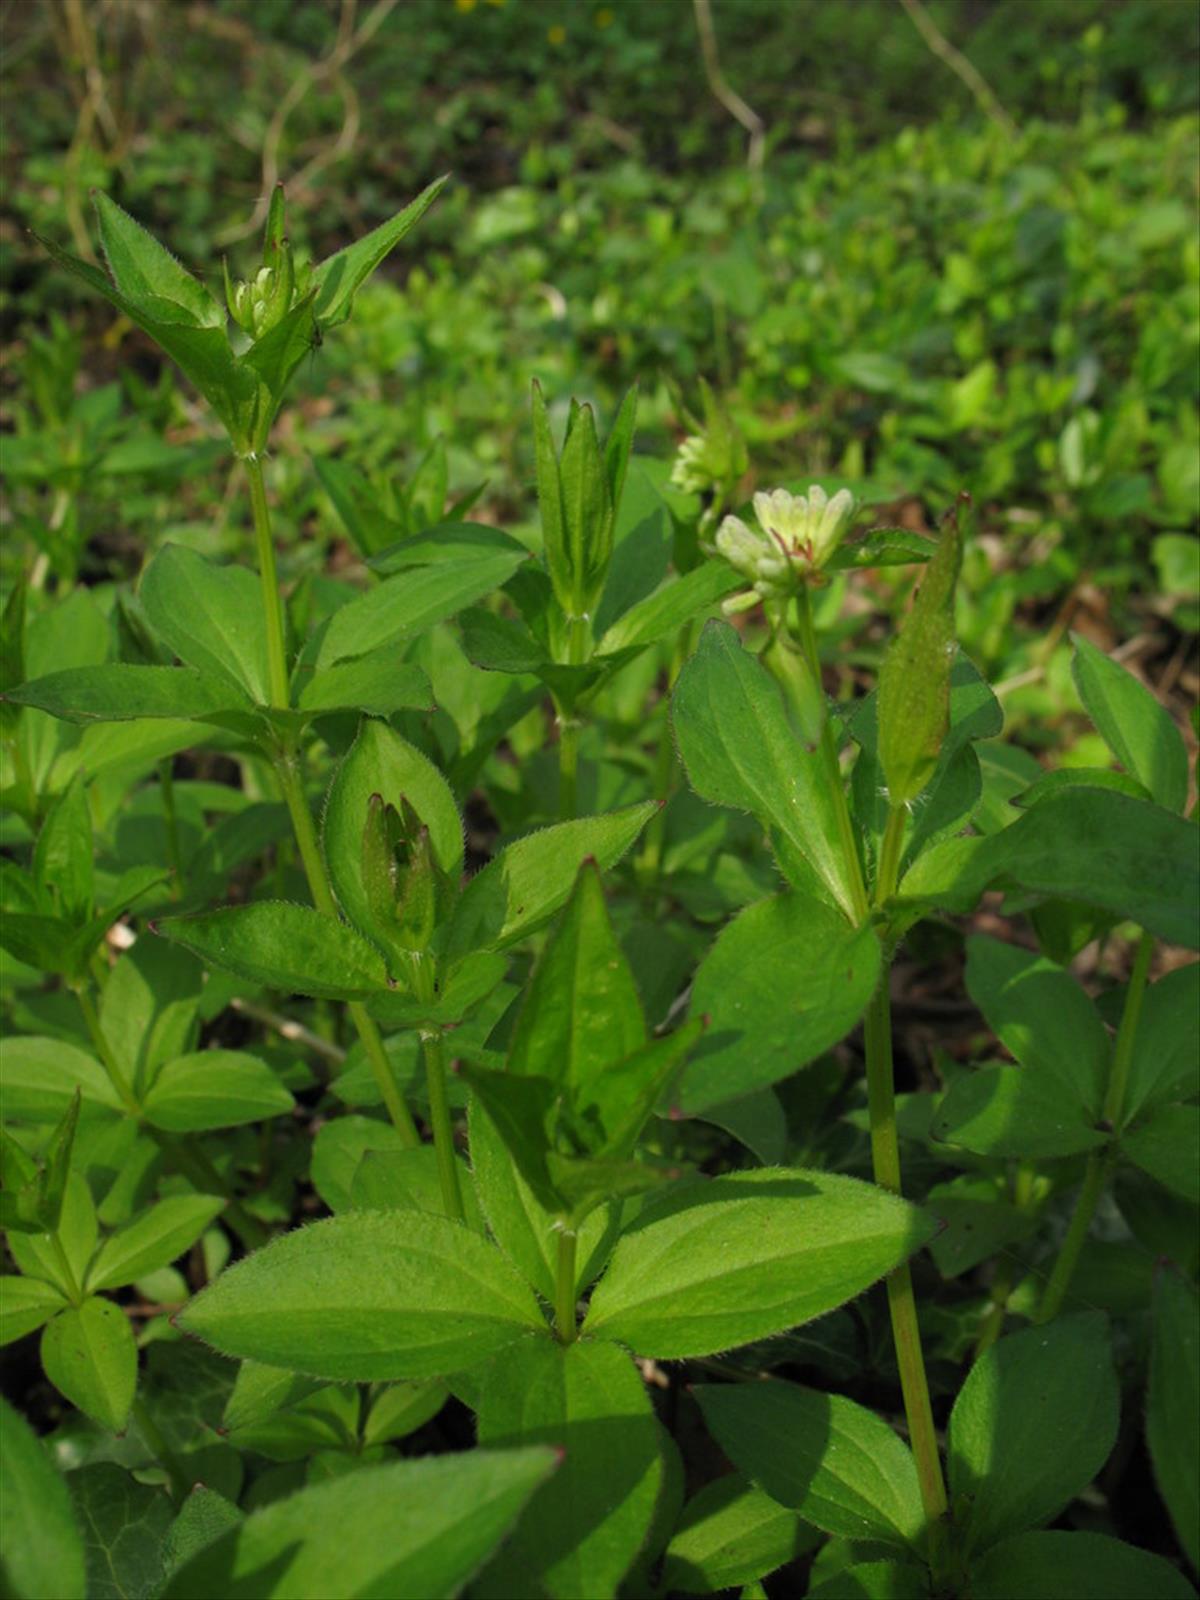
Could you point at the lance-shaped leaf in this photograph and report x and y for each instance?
(914, 684)
(214, 1089)
(339, 277)
(118, 693)
(531, 878)
(89, 1355)
(444, 1516)
(729, 1534)
(211, 616)
(287, 947)
(319, 1300)
(1132, 723)
(716, 1264)
(661, 614)
(27, 1303)
(783, 982)
(155, 1239)
(739, 750)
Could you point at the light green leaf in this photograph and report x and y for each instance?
(38, 1077)
(25, 1304)
(1173, 1405)
(1079, 1566)
(316, 1301)
(731, 1533)
(146, 273)
(339, 277)
(210, 616)
(401, 1409)
(875, 1580)
(585, 1526)
(1033, 1424)
(287, 947)
(379, 683)
(204, 1516)
(739, 750)
(444, 1516)
(114, 692)
(35, 1253)
(1121, 855)
(531, 879)
(90, 1356)
(716, 1264)
(1134, 726)
(41, 1555)
(661, 614)
(834, 1462)
(158, 1237)
(408, 605)
(214, 1089)
(784, 982)
(149, 1008)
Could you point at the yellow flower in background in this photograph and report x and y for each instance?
(605, 17)
(557, 34)
(464, 5)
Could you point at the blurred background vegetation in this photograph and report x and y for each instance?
(916, 247)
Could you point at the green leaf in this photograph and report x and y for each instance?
(739, 750)
(1042, 1016)
(587, 516)
(408, 605)
(1165, 1065)
(584, 1527)
(875, 1580)
(531, 879)
(716, 1264)
(39, 1076)
(214, 1089)
(881, 547)
(1123, 856)
(661, 614)
(444, 1516)
(784, 982)
(1085, 1566)
(1012, 1112)
(41, 1554)
(1173, 1405)
(62, 855)
(287, 947)
(1165, 1146)
(836, 1463)
(914, 681)
(1134, 726)
(729, 1534)
(977, 1223)
(35, 1253)
(89, 1355)
(381, 762)
(316, 1300)
(378, 683)
(124, 1525)
(338, 1153)
(408, 1180)
(116, 693)
(339, 277)
(146, 273)
(204, 1516)
(25, 1304)
(526, 1230)
(1033, 1424)
(158, 1237)
(401, 1409)
(149, 1008)
(210, 616)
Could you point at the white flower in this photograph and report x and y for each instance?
(796, 536)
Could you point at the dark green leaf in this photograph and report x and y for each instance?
(287, 947)
(1012, 1111)
(1134, 726)
(211, 616)
(1078, 1566)
(731, 1533)
(1165, 1146)
(339, 277)
(124, 1525)
(1173, 1405)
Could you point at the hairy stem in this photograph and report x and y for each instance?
(271, 602)
(564, 1288)
(287, 769)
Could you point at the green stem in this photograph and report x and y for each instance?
(1099, 1164)
(564, 1289)
(1095, 1176)
(649, 861)
(177, 1477)
(435, 1081)
(287, 769)
(271, 602)
(885, 1158)
(569, 725)
(890, 851)
(1002, 1284)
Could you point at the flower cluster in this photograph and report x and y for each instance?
(795, 538)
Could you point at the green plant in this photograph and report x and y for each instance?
(617, 1052)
